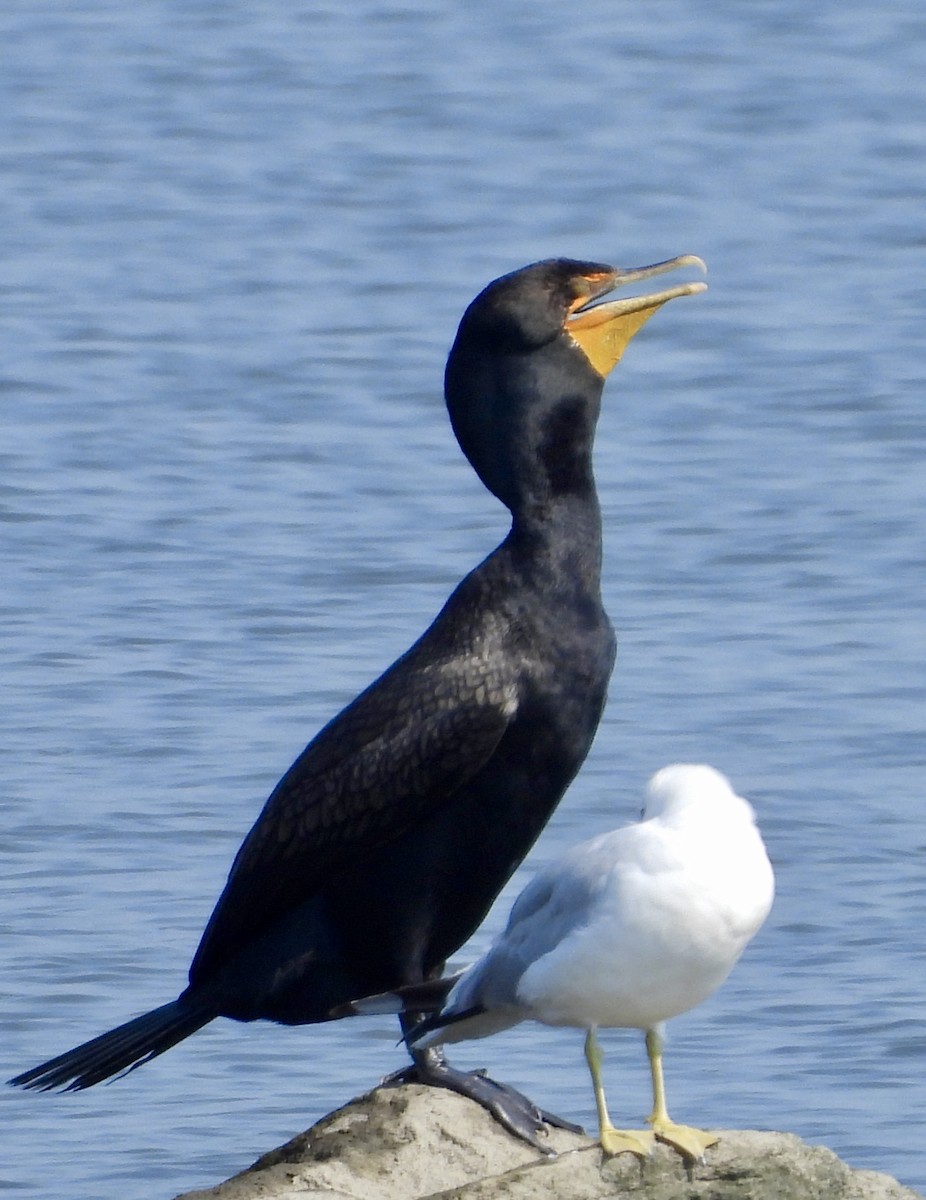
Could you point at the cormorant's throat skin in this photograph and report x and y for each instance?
(382, 847)
(603, 331)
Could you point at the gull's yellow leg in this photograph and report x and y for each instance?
(613, 1141)
(691, 1142)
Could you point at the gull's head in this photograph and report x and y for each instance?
(692, 791)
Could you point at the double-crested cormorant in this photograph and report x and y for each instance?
(383, 846)
(628, 929)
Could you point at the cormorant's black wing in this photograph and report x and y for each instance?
(401, 748)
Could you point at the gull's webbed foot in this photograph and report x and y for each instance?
(688, 1141)
(626, 1141)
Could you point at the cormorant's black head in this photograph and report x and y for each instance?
(527, 309)
(525, 374)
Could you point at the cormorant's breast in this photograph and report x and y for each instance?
(391, 911)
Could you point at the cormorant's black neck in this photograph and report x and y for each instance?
(527, 425)
(561, 540)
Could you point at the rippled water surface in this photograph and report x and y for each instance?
(236, 242)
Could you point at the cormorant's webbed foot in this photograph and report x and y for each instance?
(510, 1108)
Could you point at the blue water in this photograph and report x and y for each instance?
(236, 240)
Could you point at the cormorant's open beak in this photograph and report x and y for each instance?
(603, 331)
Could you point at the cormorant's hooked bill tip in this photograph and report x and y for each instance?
(603, 331)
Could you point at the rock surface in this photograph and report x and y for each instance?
(417, 1143)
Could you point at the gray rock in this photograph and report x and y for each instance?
(417, 1143)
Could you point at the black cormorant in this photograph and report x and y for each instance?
(381, 849)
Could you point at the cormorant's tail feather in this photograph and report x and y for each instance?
(121, 1050)
(425, 997)
(437, 1022)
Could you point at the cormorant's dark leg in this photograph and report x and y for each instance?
(511, 1108)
